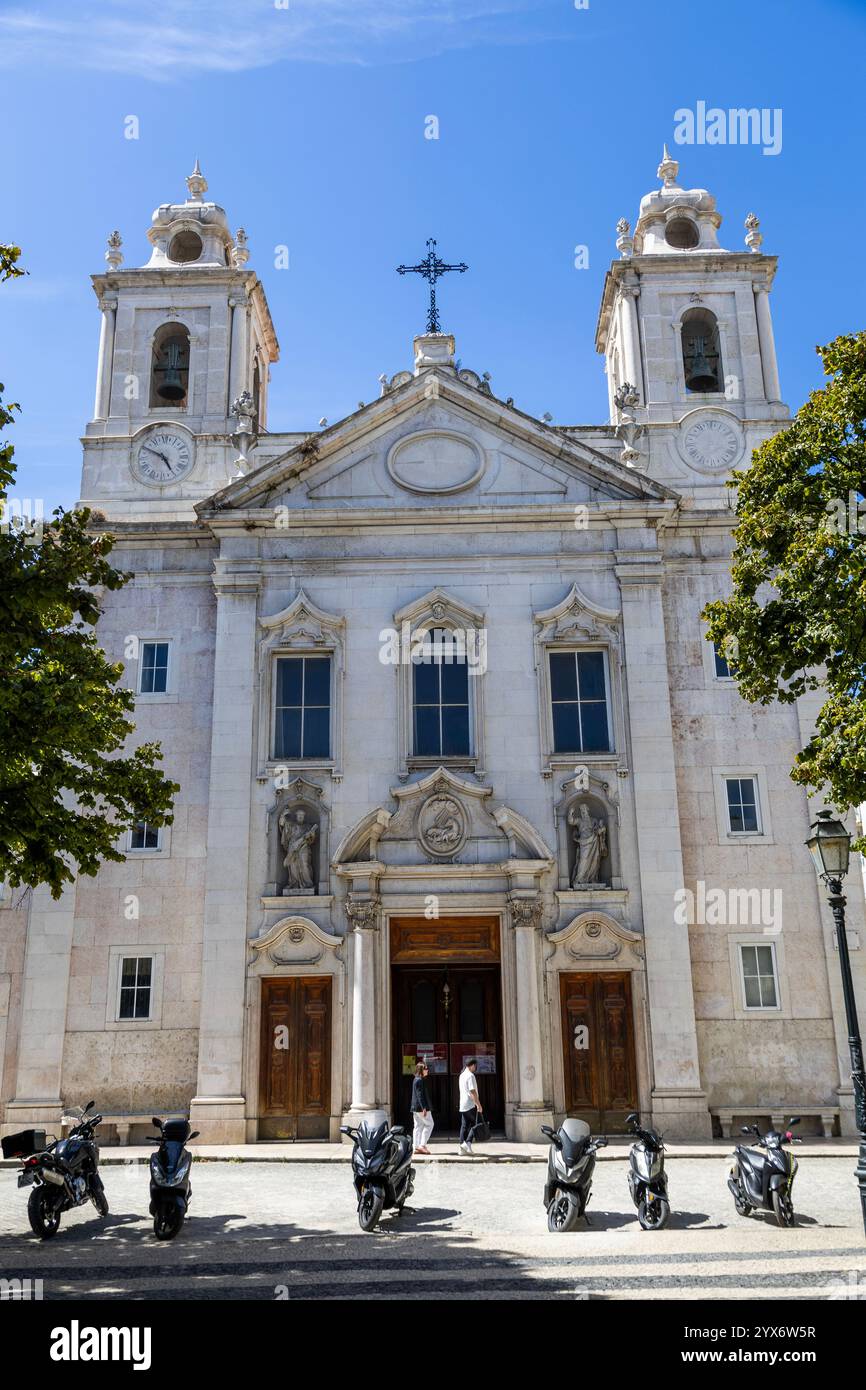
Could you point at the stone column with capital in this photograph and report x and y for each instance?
(364, 918)
(105, 361)
(45, 989)
(218, 1109)
(631, 337)
(530, 1111)
(238, 382)
(766, 340)
(679, 1103)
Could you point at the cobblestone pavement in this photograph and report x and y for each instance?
(266, 1230)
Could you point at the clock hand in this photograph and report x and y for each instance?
(159, 455)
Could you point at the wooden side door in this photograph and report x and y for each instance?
(295, 1058)
(598, 1048)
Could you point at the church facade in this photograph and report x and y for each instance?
(460, 774)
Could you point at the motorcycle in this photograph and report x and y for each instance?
(170, 1187)
(647, 1179)
(764, 1179)
(63, 1174)
(570, 1166)
(381, 1169)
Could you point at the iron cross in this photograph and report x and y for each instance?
(432, 268)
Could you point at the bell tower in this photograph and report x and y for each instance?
(687, 335)
(183, 337)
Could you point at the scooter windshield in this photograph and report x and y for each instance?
(371, 1137)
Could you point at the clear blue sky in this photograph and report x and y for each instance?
(309, 123)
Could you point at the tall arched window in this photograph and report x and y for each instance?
(702, 355)
(169, 373)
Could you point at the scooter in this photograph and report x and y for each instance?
(647, 1179)
(570, 1166)
(63, 1174)
(170, 1187)
(381, 1169)
(764, 1179)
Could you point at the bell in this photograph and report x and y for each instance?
(700, 373)
(171, 387)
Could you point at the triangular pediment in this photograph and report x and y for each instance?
(436, 442)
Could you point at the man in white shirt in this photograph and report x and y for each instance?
(470, 1105)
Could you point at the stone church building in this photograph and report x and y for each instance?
(460, 774)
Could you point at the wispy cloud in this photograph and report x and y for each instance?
(178, 38)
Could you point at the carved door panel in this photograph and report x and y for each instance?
(598, 1048)
(295, 1062)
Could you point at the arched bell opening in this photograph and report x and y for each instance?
(169, 375)
(702, 354)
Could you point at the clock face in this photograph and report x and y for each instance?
(711, 443)
(162, 457)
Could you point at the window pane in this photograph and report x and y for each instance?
(317, 681)
(142, 1003)
(768, 992)
(287, 739)
(127, 1003)
(289, 680)
(455, 684)
(590, 667)
(749, 960)
(426, 684)
(594, 722)
(455, 730)
(764, 960)
(317, 729)
(566, 731)
(151, 837)
(753, 992)
(427, 731)
(128, 972)
(563, 676)
(722, 668)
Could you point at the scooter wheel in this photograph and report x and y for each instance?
(742, 1208)
(783, 1207)
(167, 1222)
(654, 1215)
(370, 1209)
(563, 1213)
(44, 1216)
(99, 1199)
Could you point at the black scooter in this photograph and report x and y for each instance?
(647, 1179)
(570, 1166)
(63, 1174)
(381, 1169)
(170, 1187)
(765, 1179)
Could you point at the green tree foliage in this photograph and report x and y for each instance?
(796, 618)
(67, 791)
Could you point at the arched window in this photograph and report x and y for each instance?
(702, 356)
(169, 374)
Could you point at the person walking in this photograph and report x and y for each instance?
(422, 1115)
(470, 1105)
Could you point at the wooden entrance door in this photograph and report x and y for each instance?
(449, 1009)
(295, 1065)
(598, 1048)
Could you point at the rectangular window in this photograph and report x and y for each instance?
(144, 836)
(579, 702)
(136, 973)
(440, 698)
(743, 816)
(302, 724)
(760, 990)
(154, 668)
(722, 669)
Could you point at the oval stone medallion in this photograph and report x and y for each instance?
(435, 462)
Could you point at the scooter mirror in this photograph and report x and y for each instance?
(794, 1120)
(89, 1106)
(632, 1119)
(157, 1123)
(194, 1135)
(746, 1129)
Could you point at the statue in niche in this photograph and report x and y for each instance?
(297, 839)
(590, 847)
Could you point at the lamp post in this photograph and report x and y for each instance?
(830, 847)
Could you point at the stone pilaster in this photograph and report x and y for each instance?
(772, 389)
(364, 920)
(530, 1111)
(218, 1108)
(105, 361)
(679, 1103)
(43, 1013)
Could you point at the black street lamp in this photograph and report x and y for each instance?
(830, 847)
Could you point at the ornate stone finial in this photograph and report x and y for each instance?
(624, 241)
(114, 255)
(753, 236)
(626, 396)
(485, 384)
(240, 250)
(668, 170)
(197, 184)
(244, 408)
(244, 411)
